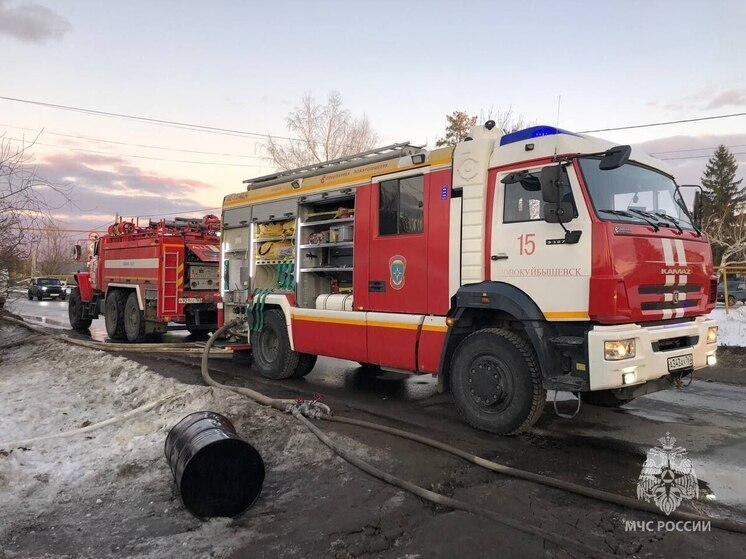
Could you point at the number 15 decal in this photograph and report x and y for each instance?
(526, 244)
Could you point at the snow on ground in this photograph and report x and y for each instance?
(109, 492)
(731, 328)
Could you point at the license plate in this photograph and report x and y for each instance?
(680, 362)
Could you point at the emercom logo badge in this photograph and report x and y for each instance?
(667, 476)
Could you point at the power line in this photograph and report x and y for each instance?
(697, 156)
(657, 123)
(157, 121)
(133, 156)
(694, 149)
(89, 138)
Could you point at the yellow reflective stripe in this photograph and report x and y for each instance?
(583, 315)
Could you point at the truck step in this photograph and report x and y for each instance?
(567, 340)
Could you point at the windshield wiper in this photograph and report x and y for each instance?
(672, 219)
(622, 213)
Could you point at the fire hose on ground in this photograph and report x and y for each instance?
(285, 405)
(320, 411)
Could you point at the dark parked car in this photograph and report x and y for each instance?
(736, 291)
(46, 287)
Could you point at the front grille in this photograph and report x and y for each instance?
(675, 343)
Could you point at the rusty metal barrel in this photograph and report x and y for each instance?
(217, 472)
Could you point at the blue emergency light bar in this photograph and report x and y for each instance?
(533, 132)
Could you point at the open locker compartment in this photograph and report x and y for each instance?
(325, 237)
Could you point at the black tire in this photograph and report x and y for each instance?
(63, 297)
(731, 301)
(39, 297)
(75, 312)
(134, 319)
(604, 399)
(273, 357)
(30, 296)
(114, 314)
(496, 382)
(306, 363)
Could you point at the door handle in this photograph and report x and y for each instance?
(501, 256)
(376, 286)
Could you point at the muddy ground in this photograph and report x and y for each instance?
(110, 493)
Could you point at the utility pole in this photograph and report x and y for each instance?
(34, 254)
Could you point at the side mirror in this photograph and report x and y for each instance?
(615, 158)
(550, 188)
(512, 178)
(697, 209)
(558, 212)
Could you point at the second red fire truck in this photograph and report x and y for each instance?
(144, 278)
(507, 265)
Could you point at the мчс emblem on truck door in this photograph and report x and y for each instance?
(397, 269)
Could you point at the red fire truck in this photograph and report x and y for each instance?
(143, 278)
(507, 265)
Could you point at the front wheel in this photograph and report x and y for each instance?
(75, 310)
(496, 382)
(30, 296)
(39, 297)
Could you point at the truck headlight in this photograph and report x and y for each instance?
(712, 334)
(619, 349)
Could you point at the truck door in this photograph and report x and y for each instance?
(397, 253)
(530, 254)
(397, 282)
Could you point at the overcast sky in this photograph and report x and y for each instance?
(244, 65)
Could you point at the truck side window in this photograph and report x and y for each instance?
(523, 201)
(95, 248)
(400, 206)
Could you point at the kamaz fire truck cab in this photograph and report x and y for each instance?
(508, 265)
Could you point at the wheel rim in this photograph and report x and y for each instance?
(490, 384)
(269, 345)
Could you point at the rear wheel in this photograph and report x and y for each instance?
(134, 319)
(273, 357)
(604, 399)
(75, 310)
(114, 314)
(496, 382)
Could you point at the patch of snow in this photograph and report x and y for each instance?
(116, 478)
(731, 327)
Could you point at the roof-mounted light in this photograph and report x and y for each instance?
(532, 132)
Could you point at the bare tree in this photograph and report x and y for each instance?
(506, 120)
(324, 132)
(458, 124)
(54, 251)
(728, 237)
(24, 203)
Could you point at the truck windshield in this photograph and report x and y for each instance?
(634, 193)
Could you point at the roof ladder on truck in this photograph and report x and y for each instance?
(371, 156)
